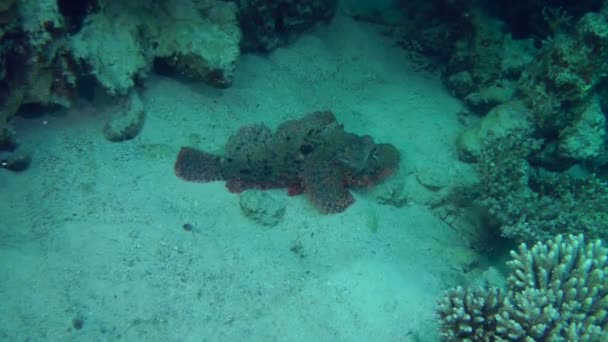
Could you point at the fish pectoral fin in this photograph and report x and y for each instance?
(326, 189)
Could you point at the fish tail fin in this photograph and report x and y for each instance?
(198, 166)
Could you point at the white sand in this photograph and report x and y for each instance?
(94, 229)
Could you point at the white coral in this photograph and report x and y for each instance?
(556, 291)
(120, 43)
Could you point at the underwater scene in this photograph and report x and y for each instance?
(303, 170)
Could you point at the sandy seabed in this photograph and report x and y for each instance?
(92, 245)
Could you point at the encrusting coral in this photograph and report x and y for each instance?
(529, 204)
(312, 155)
(556, 291)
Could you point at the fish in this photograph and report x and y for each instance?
(312, 155)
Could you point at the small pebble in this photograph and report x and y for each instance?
(77, 323)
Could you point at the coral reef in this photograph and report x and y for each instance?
(35, 67)
(269, 24)
(312, 155)
(484, 67)
(560, 85)
(540, 19)
(499, 122)
(553, 61)
(198, 38)
(50, 51)
(470, 314)
(556, 291)
(585, 138)
(559, 88)
(538, 93)
(529, 204)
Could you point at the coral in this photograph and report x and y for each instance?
(35, 68)
(428, 31)
(528, 204)
(268, 24)
(470, 314)
(312, 155)
(485, 64)
(560, 84)
(556, 291)
(200, 39)
(541, 19)
(586, 137)
(113, 65)
(554, 61)
(485, 99)
(497, 123)
(39, 20)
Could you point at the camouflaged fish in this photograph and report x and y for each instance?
(312, 155)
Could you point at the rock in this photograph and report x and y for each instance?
(5, 5)
(498, 122)
(203, 44)
(262, 207)
(127, 120)
(433, 178)
(585, 139)
(8, 137)
(489, 97)
(461, 83)
(12, 156)
(116, 65)
(267, 24)
(17, 160)
(202, 47)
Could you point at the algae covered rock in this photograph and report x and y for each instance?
(17, 160)
(585, 138)
(200, 39)
(268, 24)
(114, 65)
(127, 119)
(498, 122)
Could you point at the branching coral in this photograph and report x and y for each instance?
(556, 291)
